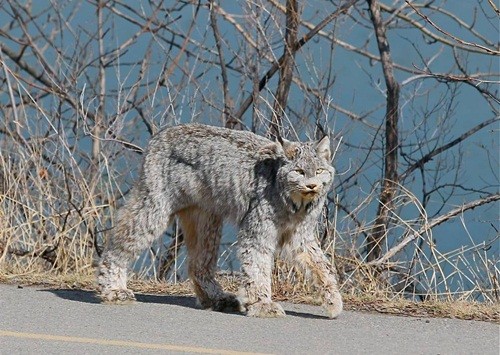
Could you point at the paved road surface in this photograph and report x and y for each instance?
(43, 321)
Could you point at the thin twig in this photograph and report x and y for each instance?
(459, 40)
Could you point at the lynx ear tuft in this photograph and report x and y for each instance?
(291, 149)
(323, 148)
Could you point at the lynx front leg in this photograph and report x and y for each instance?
(256, 252)
(306, 252)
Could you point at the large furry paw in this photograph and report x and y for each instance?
(227, 303)
(120, 296)
(333, 305)
(265, 310)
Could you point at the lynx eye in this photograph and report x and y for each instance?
(300, 171)
(320, 171)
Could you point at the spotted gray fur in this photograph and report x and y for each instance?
(202, 175)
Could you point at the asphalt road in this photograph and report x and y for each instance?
(45, 321)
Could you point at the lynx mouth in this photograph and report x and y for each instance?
(302, 198)
(309, 195)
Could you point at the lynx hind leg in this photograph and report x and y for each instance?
(202, 233)
(309, 257)
(139, 222)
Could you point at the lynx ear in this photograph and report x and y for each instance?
(290, 148)
(270, 150)
(323, 148)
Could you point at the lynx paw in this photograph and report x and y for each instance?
(333, 305)
(227, 303)
(121, 296)
(265, 310)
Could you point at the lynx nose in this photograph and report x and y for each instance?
(312, 186)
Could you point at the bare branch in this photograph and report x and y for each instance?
(390, 179)
(426, 158)
(230, 121)
(286, 67)
(494, 7)
(433, 223)
(276, 65)
(455, 38)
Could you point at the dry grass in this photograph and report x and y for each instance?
(51, 218)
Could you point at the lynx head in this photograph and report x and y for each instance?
(307, 174)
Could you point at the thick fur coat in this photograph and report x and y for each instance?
(203, 175)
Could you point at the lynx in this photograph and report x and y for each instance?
(202, 175)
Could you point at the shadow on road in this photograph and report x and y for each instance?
(90, 297)
(182, 301)
(74, 295)
(305, 315)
